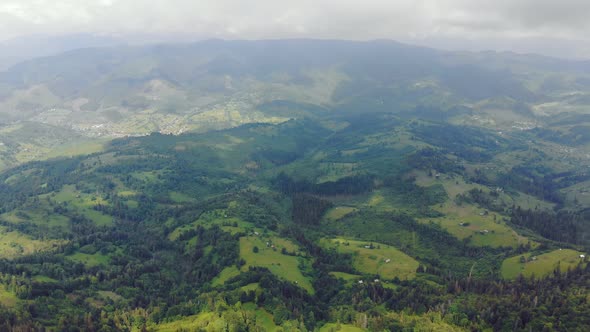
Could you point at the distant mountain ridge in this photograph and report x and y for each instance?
(24, 48)
(174, 88)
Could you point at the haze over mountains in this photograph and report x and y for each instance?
(23, 48)
(175, 88)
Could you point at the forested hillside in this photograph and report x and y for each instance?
(377, 224)
(294, 186)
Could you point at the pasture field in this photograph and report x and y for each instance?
(339, 212)
(7, 299)
(329, 327)
(37, 216)
(345, 276)
(381, 259)
(284, 266)
(83, 203)
(481, 228)
(226, 274)
(540, 265)
(90, 260)
(14, 244)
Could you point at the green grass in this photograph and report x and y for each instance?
(466, 221)
(339, 212)
(126, 193)
(210, 321)
(263, 318)
(79, 148)
(329, 327)
(541, 266)
(133, 204)
(378, 201)
(202, 320)
(498, 233)
(41, 217)
(225, 275)
(90, 260)
(151, 176)
(15, 244)
(7, 299)
(180, 197)
(283, 266)
(374, 261)
(43, 279)
(83, 203)
(250, 287)
(578, 194)
(336, 171)
(218, 217)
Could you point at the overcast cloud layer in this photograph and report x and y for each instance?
(421, 21)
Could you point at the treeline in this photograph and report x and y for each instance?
(350, 185)
(309, 209)
(563, 226)
(532, 182)
(469, 143)
(430, 159)
(487, 200)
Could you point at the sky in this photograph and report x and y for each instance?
(542, 26)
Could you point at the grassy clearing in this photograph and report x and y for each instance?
(340, 328)
(336, 171)
(376, 258)
(210, 321)
(219, 217)
(540, 265)
(225, 275)
(193, 323)
(250, 287)
(180, 197)
(149, 177)
(82, 202)
(453, 185)
(15, 244)
(43, 279)
(339, 212)
(126, 193)
(578, 194)
(41, 217)
(90, 260)
(467, 221)
(7, 299)
(281, 265)
(263, 318)
(378, 201)
(79, 148)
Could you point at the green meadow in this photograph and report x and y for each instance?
(540, 265)
(376, 258)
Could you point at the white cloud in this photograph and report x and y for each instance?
(346, 19)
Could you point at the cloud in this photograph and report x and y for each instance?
(345, 19)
